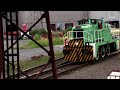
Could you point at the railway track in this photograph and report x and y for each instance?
(62, 68)
(68, 67)
(36, 68)
(47, 73)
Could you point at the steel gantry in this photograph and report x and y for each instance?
(5, 54)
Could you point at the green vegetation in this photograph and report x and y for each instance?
(38, 31)
(42, 41)
(33, 63)
(40, 37)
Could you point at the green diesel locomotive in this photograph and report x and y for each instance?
(90, 40)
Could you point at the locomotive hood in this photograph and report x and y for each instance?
(82, 26)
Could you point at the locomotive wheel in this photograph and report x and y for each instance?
(97, 57)
(103, 52)
(108, 50)
(98, 54)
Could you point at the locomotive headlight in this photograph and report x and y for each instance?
(87, 44)
(76, 43)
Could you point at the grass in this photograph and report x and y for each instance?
(43, 42)
(39, 61)
(32, 63)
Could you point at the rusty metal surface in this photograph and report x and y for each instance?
(1, 48)
(52, 58)
(10, 28)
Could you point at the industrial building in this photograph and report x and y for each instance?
(60, 19)
(107, 15)
(63, 19)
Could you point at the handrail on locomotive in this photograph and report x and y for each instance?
(69, 36)
(114, 32)
(90, 37)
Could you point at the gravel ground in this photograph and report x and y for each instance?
(98, 70)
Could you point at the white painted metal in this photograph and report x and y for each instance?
(69, 36)
(99, 34)
(114, 75)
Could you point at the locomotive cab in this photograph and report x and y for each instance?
(77, 32)
(83, 21)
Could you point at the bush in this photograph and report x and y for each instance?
(37, 37)
(44, 42)
(33, 32)
(43, 31)
(38, 31)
